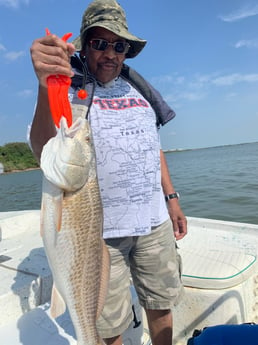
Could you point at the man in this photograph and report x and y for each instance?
(140, 226)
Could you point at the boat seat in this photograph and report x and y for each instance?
(215, 269)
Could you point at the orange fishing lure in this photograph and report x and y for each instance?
(58, 86)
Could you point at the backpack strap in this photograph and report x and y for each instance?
(163, 112)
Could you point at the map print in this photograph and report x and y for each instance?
(127, 148)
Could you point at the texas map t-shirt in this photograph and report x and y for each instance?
(127, 147)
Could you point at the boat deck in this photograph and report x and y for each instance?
(220, 276)
(25, 289)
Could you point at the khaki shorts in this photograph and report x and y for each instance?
(155, 267)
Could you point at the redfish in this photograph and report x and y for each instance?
(71, 227)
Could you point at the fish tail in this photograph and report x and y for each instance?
(58, 305)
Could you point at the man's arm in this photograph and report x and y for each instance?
(49, 55)
(42, 128)
(176, 214)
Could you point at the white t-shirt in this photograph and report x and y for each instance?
(127, 147)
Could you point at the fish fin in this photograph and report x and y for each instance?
(59, 209)
(104, 278)
(58, 305)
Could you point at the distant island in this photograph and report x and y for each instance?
(175, 150)
(207, 147)
(16, 157)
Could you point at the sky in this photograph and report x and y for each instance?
(201, 55)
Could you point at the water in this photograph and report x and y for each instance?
(20, 191)
(217, 183)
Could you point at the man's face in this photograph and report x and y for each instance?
(104, 65)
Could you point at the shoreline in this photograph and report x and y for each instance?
(18, 171)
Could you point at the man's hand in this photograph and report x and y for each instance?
(51, 55)
(178, 219)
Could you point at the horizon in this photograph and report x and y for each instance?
(169, 149)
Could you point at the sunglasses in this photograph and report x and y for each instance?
(119, 47)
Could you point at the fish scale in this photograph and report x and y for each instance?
(71, 226)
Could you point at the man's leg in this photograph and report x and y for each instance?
(160, 326)
(117, 313)
(155, 268)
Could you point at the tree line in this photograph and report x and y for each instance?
(17, 156)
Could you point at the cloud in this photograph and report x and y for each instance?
(176, 96)
(179, 90)
(2, 48)
(14, 3)
(12, 56)
(245, 12)
(234, 78)
(231, 95)
(200, 81)
(247, 44)
(173, 78)
(192, 96)
(26, 93)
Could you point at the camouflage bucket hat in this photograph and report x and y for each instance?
(109, 15)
